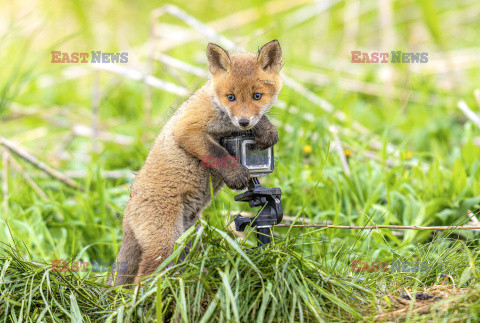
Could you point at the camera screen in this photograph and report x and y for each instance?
(258, 162)
(256, 158)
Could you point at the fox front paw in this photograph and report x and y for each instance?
(266, 139)
(236, 177)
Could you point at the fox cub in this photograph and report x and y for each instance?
(172, 188)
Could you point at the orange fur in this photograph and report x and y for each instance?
(172, 188)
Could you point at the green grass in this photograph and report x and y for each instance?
(223, 280)
(433, 178)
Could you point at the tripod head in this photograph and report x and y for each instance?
(269, 198)
(269, 215)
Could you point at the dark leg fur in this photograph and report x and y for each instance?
(266, 135)
(128, 257)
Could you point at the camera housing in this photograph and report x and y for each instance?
(242, 146)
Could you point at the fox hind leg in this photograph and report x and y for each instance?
(128, 257)
(155, 253)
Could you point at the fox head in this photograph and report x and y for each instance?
(245, 85)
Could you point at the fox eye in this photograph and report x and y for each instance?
(257, 96)
(231, 97)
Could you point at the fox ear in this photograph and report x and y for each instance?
(218, 59)
(270, 56)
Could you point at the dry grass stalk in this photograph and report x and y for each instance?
(339, 149)
(382, 226)
(137, 75)
(232, 21)
(27, 178)
(22, 153)
(469, 113)
(82, 130)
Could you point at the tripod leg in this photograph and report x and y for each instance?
(263, 236)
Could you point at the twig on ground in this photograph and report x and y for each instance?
(382, 226)
(302, 219)
(469, 113)
(20, 152)
(328, 224)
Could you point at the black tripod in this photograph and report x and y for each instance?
(269, 215)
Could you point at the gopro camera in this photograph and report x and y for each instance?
(242, 147)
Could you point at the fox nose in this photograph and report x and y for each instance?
(243, 122)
